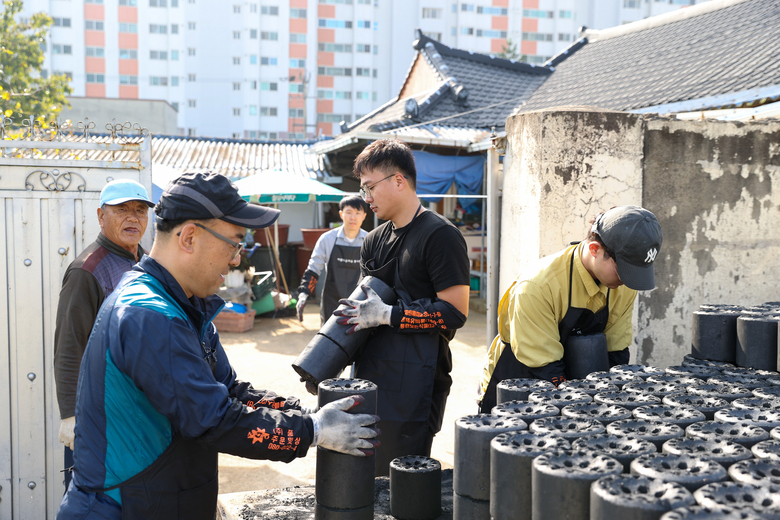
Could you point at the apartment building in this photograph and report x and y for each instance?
(293, 69)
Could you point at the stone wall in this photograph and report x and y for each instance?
(710, 184)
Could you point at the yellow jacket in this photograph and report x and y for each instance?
(537, 301)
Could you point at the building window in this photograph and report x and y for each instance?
(432, 35)
(192, 103)
(96, 78)
(236, 85)
(536, 13)
(236, 112)
(158, 55)
(495, 11)
(61, 49)
(128, 28)
(268, 111)
(467, 30)
(297, 64)
(296, 112)
(267, 60)
(192, 132)
(174, 55)
(537, 37)
(236, 135)
(564, 14)
(564, 37)
(236, 35)
(253, 34)
(61, 22)
(334, 118)
(175, 105)
(252, 110)
(94, 25)
(131, 3)
(334, 47)
(345, 2)
(128, 54)
(191, 51)
(363, 47)
(191, 78)
(158, 3)
(362, 71)
(489, 33)
(632, 4)
(68, 75)
(128, 80)
(297, 38)
(364, 24)
(93, 1)
(334, 71)
(158, 81)
(237, 9)
(265, 85)
(269, 9)
(158, 29)
(374, 72)
(362, 95)
(297, 13)
(296, 88)
(95, 52)
(236, 60)
(429, 12)
(191, 26)
(335, 24)
(373, 96)
(467, 7)
(253, 85)
(174, 28)
(253, 8)
(174, 79)
(271, 36)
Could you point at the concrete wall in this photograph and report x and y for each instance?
(159, 117)
(710, 184)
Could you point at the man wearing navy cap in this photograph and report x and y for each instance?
(158, 399)
(588, 288)
(89, 279)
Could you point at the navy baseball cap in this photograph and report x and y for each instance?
(204, 196)
(124, 190)
(634, 234)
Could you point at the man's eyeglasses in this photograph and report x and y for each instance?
(238, 246)
(365, 191)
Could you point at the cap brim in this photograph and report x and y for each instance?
(638, 278)
(116, 202)
(253, 216)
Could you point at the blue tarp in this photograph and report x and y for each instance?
(436, 173)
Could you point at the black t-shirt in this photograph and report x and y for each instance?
(431, 252)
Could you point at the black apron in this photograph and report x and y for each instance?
(181, 483)
(403, 366)
(342, 274)
(578, 321)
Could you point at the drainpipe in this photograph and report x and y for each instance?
(494, 189)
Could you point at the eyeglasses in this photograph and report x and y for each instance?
(237, 245)
(365, 191)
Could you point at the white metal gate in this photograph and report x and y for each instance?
(50, 183)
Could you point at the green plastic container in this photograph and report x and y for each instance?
(262, 283)
(264, 304)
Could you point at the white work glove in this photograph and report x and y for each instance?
(337, 430)
(67, 435)
(308, 410)
(365, 314)
(301, 304)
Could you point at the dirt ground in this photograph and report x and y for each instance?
(264, 357)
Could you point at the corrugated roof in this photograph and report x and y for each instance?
(715, 48)
(230, 157)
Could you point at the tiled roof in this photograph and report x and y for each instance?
(231, 157)
(476, 92)
(714, 48)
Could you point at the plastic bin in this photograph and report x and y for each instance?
(227, 321)
(264, 304)
(262, 283)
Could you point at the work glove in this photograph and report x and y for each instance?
(337, 430)
(67, 434)
(308, 410)
(364, 314)
(302, 297)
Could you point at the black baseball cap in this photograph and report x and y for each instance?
(634, 234)
(203, 196)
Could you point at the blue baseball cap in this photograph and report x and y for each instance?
(124, 190)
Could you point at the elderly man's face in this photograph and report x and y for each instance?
(124, 224)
